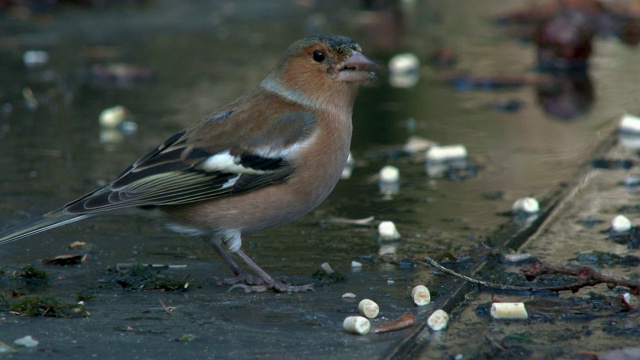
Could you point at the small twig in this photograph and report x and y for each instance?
(445, 270)
(126, 266)
(586, 276)
(365, 221)
(495, 343)
(168, 309)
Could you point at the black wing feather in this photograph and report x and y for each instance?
(176, 173)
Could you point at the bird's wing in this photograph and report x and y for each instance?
(41, 224)
(218, 157)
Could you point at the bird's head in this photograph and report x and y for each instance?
(323, 68)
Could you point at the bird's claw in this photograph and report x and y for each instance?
(277, 286)
(243, 279)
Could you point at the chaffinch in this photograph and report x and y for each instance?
(267, 158)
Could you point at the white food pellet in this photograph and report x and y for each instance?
(389, 174)
(421, 295)
(404, 62)
(27, 341)
(512, 311)
(113, 116)
(368, 308)
(620, 223)
(327, 268)
(446, 153)
(348, 167)
(349, 295)
(528, 205)
(629, 123)
(388, 231)
(357, 325)
(517, 257)
(438, 320)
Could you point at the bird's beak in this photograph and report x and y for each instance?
(356, 68)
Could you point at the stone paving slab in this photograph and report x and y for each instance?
(566, 326)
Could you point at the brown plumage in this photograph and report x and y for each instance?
(265, 159)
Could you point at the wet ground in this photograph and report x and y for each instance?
(202, 55)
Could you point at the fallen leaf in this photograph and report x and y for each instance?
(64, 260)
(77, 245)
(406, 320)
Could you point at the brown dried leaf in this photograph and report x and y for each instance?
(72, 259)
(77, 245)
(406, 320)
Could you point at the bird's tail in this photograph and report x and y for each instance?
(44, 223)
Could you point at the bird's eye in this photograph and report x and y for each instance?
(318, 56)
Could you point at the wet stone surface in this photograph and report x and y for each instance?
(571, 325)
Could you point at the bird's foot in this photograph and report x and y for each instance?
(243, 279)
(276, 286)
(267, 281)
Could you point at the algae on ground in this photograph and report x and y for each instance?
(141, 277)
(41, 305)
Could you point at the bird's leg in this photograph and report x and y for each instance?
(242, 279)
(241, 276)
(268, 281)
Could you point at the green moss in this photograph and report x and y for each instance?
(138, 270)
(140, 277)
(323, 278)
(85, 295)
(597, 297)
(186, 337)
(518, 338)
(45, 305)
(30, 272)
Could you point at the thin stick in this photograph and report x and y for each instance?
(168, 309)
(445, 270)
(586, 276)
